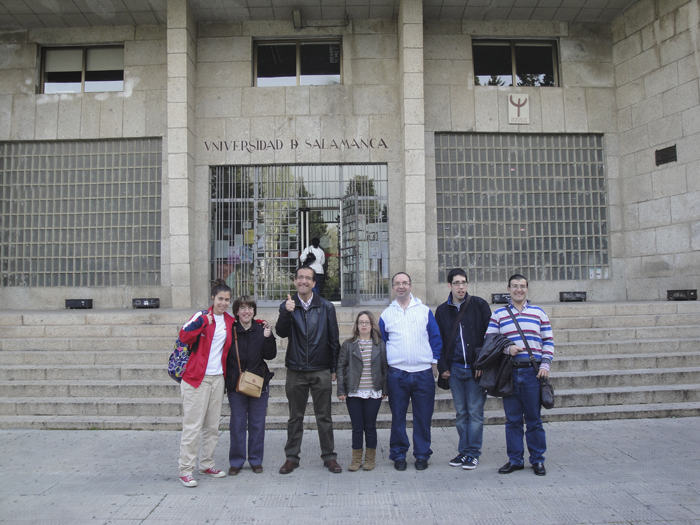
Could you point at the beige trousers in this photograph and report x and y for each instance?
(201, 408)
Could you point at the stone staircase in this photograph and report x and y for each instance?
(107, 369)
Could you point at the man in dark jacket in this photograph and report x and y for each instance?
(459, 344)
(309, 323)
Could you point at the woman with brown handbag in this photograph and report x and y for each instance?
(253, 344)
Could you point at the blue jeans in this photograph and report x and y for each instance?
(419, 389)
(363, 416)
(469, 399)
(524, 404)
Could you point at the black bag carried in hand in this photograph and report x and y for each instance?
(547, 393)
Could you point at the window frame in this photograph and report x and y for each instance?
(552, 43)
(84, 49)
(298, 43)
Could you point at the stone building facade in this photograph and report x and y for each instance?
(574, 196)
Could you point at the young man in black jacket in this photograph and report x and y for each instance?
(459, 344)
(310, 323)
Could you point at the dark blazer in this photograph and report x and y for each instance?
(475, 321)
(313, 335)
(253, 348)
(350, 367)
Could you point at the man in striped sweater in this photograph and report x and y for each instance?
(413, 346)
(525, 401)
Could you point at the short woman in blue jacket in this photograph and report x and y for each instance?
(362, 373)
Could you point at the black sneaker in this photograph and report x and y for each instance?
(470, 463)
(458, 460)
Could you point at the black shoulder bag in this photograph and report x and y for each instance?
(546, 388)
(441, 382)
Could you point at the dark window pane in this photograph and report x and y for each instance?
(492, 65)
(62, 82)
(320, 64)
(277, 65)
(99, 81)
(534, 65)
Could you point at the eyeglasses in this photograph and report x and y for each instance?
(404, 283)
(518, 287)
(246, 309)
(459, 284)
(304, 278)
(364, 323)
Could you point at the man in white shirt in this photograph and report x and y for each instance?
(413, 346)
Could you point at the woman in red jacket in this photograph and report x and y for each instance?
(202, 386)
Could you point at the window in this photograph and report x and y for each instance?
(498, 62)
(83, 69)
(312, 63)
(528, 203)
(80, 213)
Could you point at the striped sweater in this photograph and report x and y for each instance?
(534, 324)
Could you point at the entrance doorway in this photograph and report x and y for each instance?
(324, 224)
(262, 217)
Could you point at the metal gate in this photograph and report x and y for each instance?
(364, 251)
(256, 229)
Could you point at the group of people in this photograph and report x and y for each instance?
(398, 357)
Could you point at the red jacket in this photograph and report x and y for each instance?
(199, 327)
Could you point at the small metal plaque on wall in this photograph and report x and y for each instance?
(666, 155)
(500, 298)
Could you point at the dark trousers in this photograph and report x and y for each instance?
(319, 283)
(247, 412)
(297, 388)
(363, 416)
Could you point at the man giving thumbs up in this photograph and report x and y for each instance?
(309, 323)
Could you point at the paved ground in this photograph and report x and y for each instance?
(629, 471)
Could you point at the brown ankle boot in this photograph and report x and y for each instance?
(356, 460)
(369, 458)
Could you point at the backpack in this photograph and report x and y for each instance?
(181, 354)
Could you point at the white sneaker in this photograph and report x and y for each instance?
(214, 473)
(188, 481)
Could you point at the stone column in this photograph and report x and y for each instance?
(178, 198)
(413, 140)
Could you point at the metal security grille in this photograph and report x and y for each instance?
(264, 216)
(80, 213)
(532, 204)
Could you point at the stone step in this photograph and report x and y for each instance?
(171, 407)
(342, 422)
(157, 372)
(623, 378)
(587, 335)
(43, 358)
(115, 381)
(648, 320)
(624, 362)
(618, 347)
(155, 342)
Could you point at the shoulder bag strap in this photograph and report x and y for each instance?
(459, 318)
(522, 336)
(238, 357)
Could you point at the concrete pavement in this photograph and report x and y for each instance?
(626, 471)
